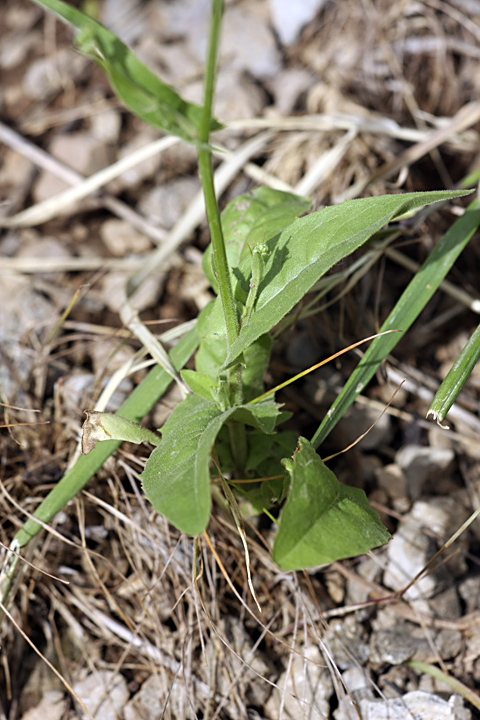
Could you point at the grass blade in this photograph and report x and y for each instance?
(457, 376)
(451, 682)
(413, 300)
(137, 405)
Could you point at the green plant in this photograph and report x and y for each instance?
(265, 255)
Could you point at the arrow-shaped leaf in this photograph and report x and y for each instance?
(323, 521)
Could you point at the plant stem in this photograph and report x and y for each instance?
(206, 175)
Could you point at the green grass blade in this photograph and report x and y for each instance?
(137, 405)
(456, 378)
(405, 312)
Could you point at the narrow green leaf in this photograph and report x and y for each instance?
(456, 378)
(176, 479)
(323, 521)
(137, 405)
(413, 300)
(251, 218)
(451, 682)
(141, 91)
(310, 246)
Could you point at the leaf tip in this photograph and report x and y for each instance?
(433, 415)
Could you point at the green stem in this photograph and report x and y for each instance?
(211, 69)
(206, 175)
(220, 257)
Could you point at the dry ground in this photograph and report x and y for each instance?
(368, 98)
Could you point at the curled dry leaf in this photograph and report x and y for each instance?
(100, 426)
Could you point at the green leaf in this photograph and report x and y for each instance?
(312, 245)
(252, 218)
(176, 478)
(265, 455)
(101, 427)
(213, 351)
(411, 303)
(200, 384)
(141, 91)
(456, 378)
(262, 416)
(257, 358)
(323, 521)
(211, 326)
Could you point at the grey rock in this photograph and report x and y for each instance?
(307, 687)
(469, 591)
(391, 478)
(80, 151)
(446, 604)
(420, 464)
(165, 204)
(113, 291)
(159, 698)
(248, 43)
(396, 646)
(287, 86)
(53, 73)
(449, 643)
(407, 553)
(106, 126)
(347, 642)
(363, 418)
(369, 569)
(120, 238)
(359, 688)
(417, 705)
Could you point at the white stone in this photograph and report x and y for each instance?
(290, 17)
(306, 686)
(121, 238)
(417, 705)
(104, 694)
(420, 463)
(408, 552)
(165, 204)
(80, 151)
(53, 73)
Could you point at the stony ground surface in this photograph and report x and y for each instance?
(333, 100)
